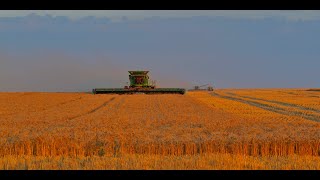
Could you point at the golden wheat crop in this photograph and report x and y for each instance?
(266, 125)
(83, 125)
(158, 162)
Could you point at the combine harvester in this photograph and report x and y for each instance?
(139, 84)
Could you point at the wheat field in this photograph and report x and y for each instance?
(223, 129)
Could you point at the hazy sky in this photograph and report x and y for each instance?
(81, 50)
(140, 14)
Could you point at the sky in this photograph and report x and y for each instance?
(117, 15)
(80, 50)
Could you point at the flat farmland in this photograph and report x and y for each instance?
(223, 129)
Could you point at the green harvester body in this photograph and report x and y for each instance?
(139, 83)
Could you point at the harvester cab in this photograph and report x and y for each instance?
(139, 79)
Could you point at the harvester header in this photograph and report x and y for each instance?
(139, 83)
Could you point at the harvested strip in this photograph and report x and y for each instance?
(271, 108)
(278, 102)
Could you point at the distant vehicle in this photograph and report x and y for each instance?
(198, 88)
